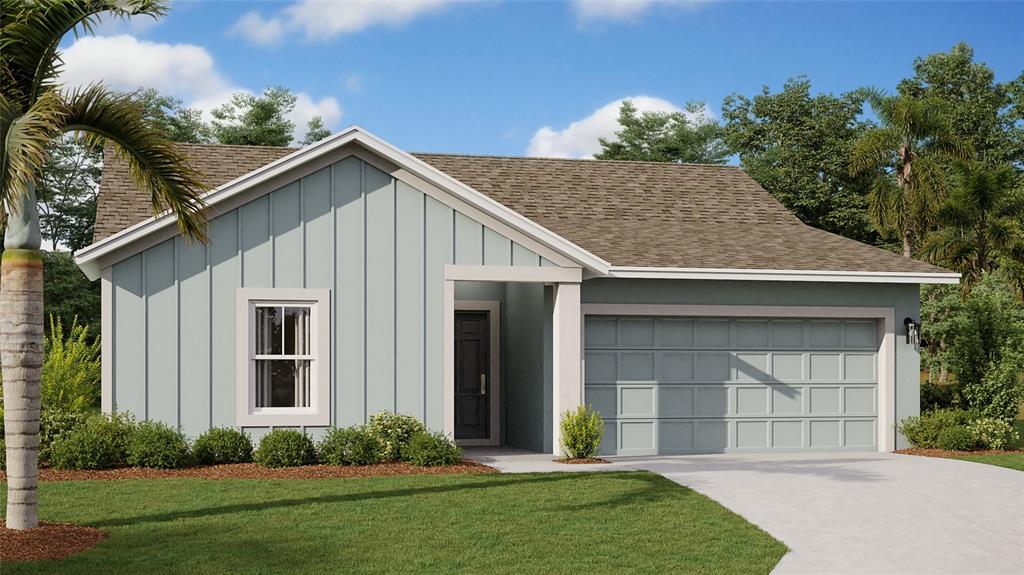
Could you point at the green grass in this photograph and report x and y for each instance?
(1011, 460)
(537, 523)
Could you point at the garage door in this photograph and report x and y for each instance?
(706, 385)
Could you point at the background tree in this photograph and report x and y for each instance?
(796, 146)
(34, 112)
(315, 131)
(67, 187)
(691, 137)
(904, 154)
(181, 124)
(254, 120)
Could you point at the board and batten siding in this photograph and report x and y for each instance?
(380, 246)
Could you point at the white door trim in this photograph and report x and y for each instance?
(493, 309)
(886, 350)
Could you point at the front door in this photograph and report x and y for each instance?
(472, 375)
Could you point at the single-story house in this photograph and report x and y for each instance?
(487, 295)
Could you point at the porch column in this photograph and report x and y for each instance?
(567, 345)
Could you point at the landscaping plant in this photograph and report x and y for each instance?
(582, 430)
(158, 445)
(54, 424)
(354, 445)
(956, 438)
(394, 431)
(221, 445)
(285, 448)
(990, 433)
(431, 449)
(924, 431)
(71, 369)
(101, 443)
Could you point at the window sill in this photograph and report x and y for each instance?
(265, 419)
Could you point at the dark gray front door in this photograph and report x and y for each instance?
(472, 377)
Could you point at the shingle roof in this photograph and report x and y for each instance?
(641, 214)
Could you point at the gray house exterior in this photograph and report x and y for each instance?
(488, 295)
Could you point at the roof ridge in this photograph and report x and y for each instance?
(244, 146)
(574, 160)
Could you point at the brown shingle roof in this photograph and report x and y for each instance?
(639, 214)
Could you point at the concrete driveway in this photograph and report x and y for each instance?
(867, 513)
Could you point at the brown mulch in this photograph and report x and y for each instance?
(254, 471)
(582, 461)
(48, 541)
(945, 453)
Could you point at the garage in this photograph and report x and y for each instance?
(678, 384)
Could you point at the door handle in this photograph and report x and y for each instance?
(483, 384)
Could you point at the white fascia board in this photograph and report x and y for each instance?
(88, 258)
(784, 275)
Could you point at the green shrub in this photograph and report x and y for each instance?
(394, 431)
(354, 445)
(991, 433)
(70, 379)
(101, 443)
(935, 396)
(285, 448)
(221, 445)
(956, 438)
(3, 453)
(924, 431)
(54, 424)
(582, 430)
(158, 445)
(431, 449)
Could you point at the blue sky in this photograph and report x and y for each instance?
(511, 77)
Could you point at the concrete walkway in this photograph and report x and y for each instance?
(851, 513)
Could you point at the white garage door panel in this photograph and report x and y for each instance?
(691, 385)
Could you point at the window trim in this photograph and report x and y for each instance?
(319, 411)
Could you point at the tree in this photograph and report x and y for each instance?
(169, 114)
(67, 186)
(690, 137)
(68, 294)
(905, 154)
(34, 112)
(980, 226)
(315, 131)
(796, 147)
(256, 120)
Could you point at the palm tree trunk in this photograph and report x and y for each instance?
(21, 356)
(906, 244)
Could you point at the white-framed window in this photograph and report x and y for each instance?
(283, 356)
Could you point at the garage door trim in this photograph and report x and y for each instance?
(886, 351)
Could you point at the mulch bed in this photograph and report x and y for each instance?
(952, 454)
(254, 471)
(582, 461)
(48, 541)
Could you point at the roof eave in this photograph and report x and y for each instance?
(784, 275)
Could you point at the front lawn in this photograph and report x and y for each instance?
(536, 523)
(1011, 460)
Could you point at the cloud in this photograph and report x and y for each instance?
(579, 139)
(322, 20)
(354, 83)
(184, 71)
(623, 10)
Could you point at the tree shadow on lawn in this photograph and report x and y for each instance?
(651, 489)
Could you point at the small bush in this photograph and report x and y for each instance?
(924, 431)
(55, 423)
(285, 448)
(3, 454)
(582, 430)
(431, 449)
(70, 378)
(992, 433)
(956, 438)
(222, 445)
(935, 396)
(351, 446)
(157, 445)
(95, 445)
(394, 431)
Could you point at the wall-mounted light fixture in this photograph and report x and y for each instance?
(913, 332)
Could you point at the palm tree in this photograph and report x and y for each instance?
(34, 111)
(981, 229)
(905, 154)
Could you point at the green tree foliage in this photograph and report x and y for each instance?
(315, 131)
(71, 370)
(690, 137)
(66, 191)
(180, 123)
(68, 294)
(797, 146)
(256, 120)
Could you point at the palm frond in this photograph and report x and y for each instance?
(25, 144)
(153, 160)
(874, 150)
(885, 206)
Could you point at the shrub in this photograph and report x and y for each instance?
(285, 448)
(431, 449)
(70, 379)
(938, 396)
(956, 438)
(54, 424)
(3, 453)
(990, 433)
(1000, 392)
(158, 445)
(100, 443)
(350, 446)
(581, 432)
(221, 445)
(924, 431)
(394, 431)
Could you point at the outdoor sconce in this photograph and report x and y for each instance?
(913, 332)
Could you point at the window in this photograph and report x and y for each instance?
(284, 357)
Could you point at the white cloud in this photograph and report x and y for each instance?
(321, 20)
(623, 10)
(305, 108)
(579, 139)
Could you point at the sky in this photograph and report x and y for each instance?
(516, 77)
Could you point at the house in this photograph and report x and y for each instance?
(486, 295)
